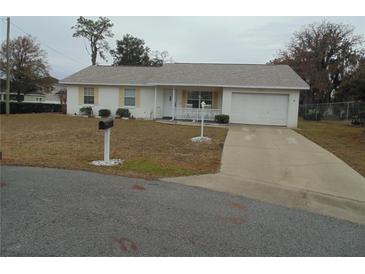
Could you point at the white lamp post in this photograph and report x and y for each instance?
(202, 120)
(201, 138)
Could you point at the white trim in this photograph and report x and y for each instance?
(187, 84)
(173, 104)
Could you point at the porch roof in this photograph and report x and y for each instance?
(191, 74)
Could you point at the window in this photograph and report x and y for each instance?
(130, 97)
(89, 96)
(39, 99)
(196, 97)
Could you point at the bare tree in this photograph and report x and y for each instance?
(323, 55)
(62, 95)
(28, 64)
(162, 56)
(96, 33)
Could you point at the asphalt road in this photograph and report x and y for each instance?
(50, 212)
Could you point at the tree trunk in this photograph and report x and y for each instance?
(94, 53)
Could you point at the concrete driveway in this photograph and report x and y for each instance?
(281, 166)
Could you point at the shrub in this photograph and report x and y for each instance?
(312, 114)
(221, 118)
(21, 107)
(104, 113)
(359, 119)
(86, 111)
(123, 112)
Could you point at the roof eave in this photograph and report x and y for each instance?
(186, 84)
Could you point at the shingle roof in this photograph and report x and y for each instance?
(192, 74)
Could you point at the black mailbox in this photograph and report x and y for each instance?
(106, 123)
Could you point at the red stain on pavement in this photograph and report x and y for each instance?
(138, 187)
(2, 184)
(233, 220)
(238, 205)
(125, 244)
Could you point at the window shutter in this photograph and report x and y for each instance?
(184, 98)
(81, 95)
(215, 99)
(96, 96)
(121, 96)
(138, 97)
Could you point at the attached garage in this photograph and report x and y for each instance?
(259, 108)
(255, 106)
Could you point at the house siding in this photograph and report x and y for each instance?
(112, 98)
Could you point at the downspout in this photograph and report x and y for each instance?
(155, 106)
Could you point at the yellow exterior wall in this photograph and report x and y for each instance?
(138, 97)
(184, 97)
(96, 96)
(121, 96)
(81, 95)
(215, 99)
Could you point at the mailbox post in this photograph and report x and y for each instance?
(106, 124)
(107, 145)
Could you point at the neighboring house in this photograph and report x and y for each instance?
(13, 96)
(53, 97)
(46, 95)
(249, 94)
(34, 97)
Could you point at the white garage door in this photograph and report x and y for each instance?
(259, 109)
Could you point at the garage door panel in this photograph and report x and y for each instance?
(260, 109)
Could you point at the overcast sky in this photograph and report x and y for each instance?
(187, 39)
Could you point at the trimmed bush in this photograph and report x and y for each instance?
(21, 107)
(86, 111)
(123, 112)
(313, 115)
(104, 113)
(222, 118)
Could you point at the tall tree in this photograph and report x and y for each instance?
(96, 33)
(28, 64)
(353, 88)
(132, 50)
(323, 55)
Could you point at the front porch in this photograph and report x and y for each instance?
(184, 103)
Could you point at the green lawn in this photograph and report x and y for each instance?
(340, 138)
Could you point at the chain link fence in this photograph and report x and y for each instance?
(331, 111)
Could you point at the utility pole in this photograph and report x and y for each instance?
(7, 99)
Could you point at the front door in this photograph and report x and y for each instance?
(167, 102)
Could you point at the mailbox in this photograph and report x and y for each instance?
(106, 123)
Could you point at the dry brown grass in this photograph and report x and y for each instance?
(343, 140)
(150, 149)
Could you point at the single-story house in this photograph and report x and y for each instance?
(249, 94)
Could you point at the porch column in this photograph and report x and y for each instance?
(173, 104)
(155, 105)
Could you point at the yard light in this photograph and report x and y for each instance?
(201, 138)
(202, 120)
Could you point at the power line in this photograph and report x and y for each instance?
(48, 46)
